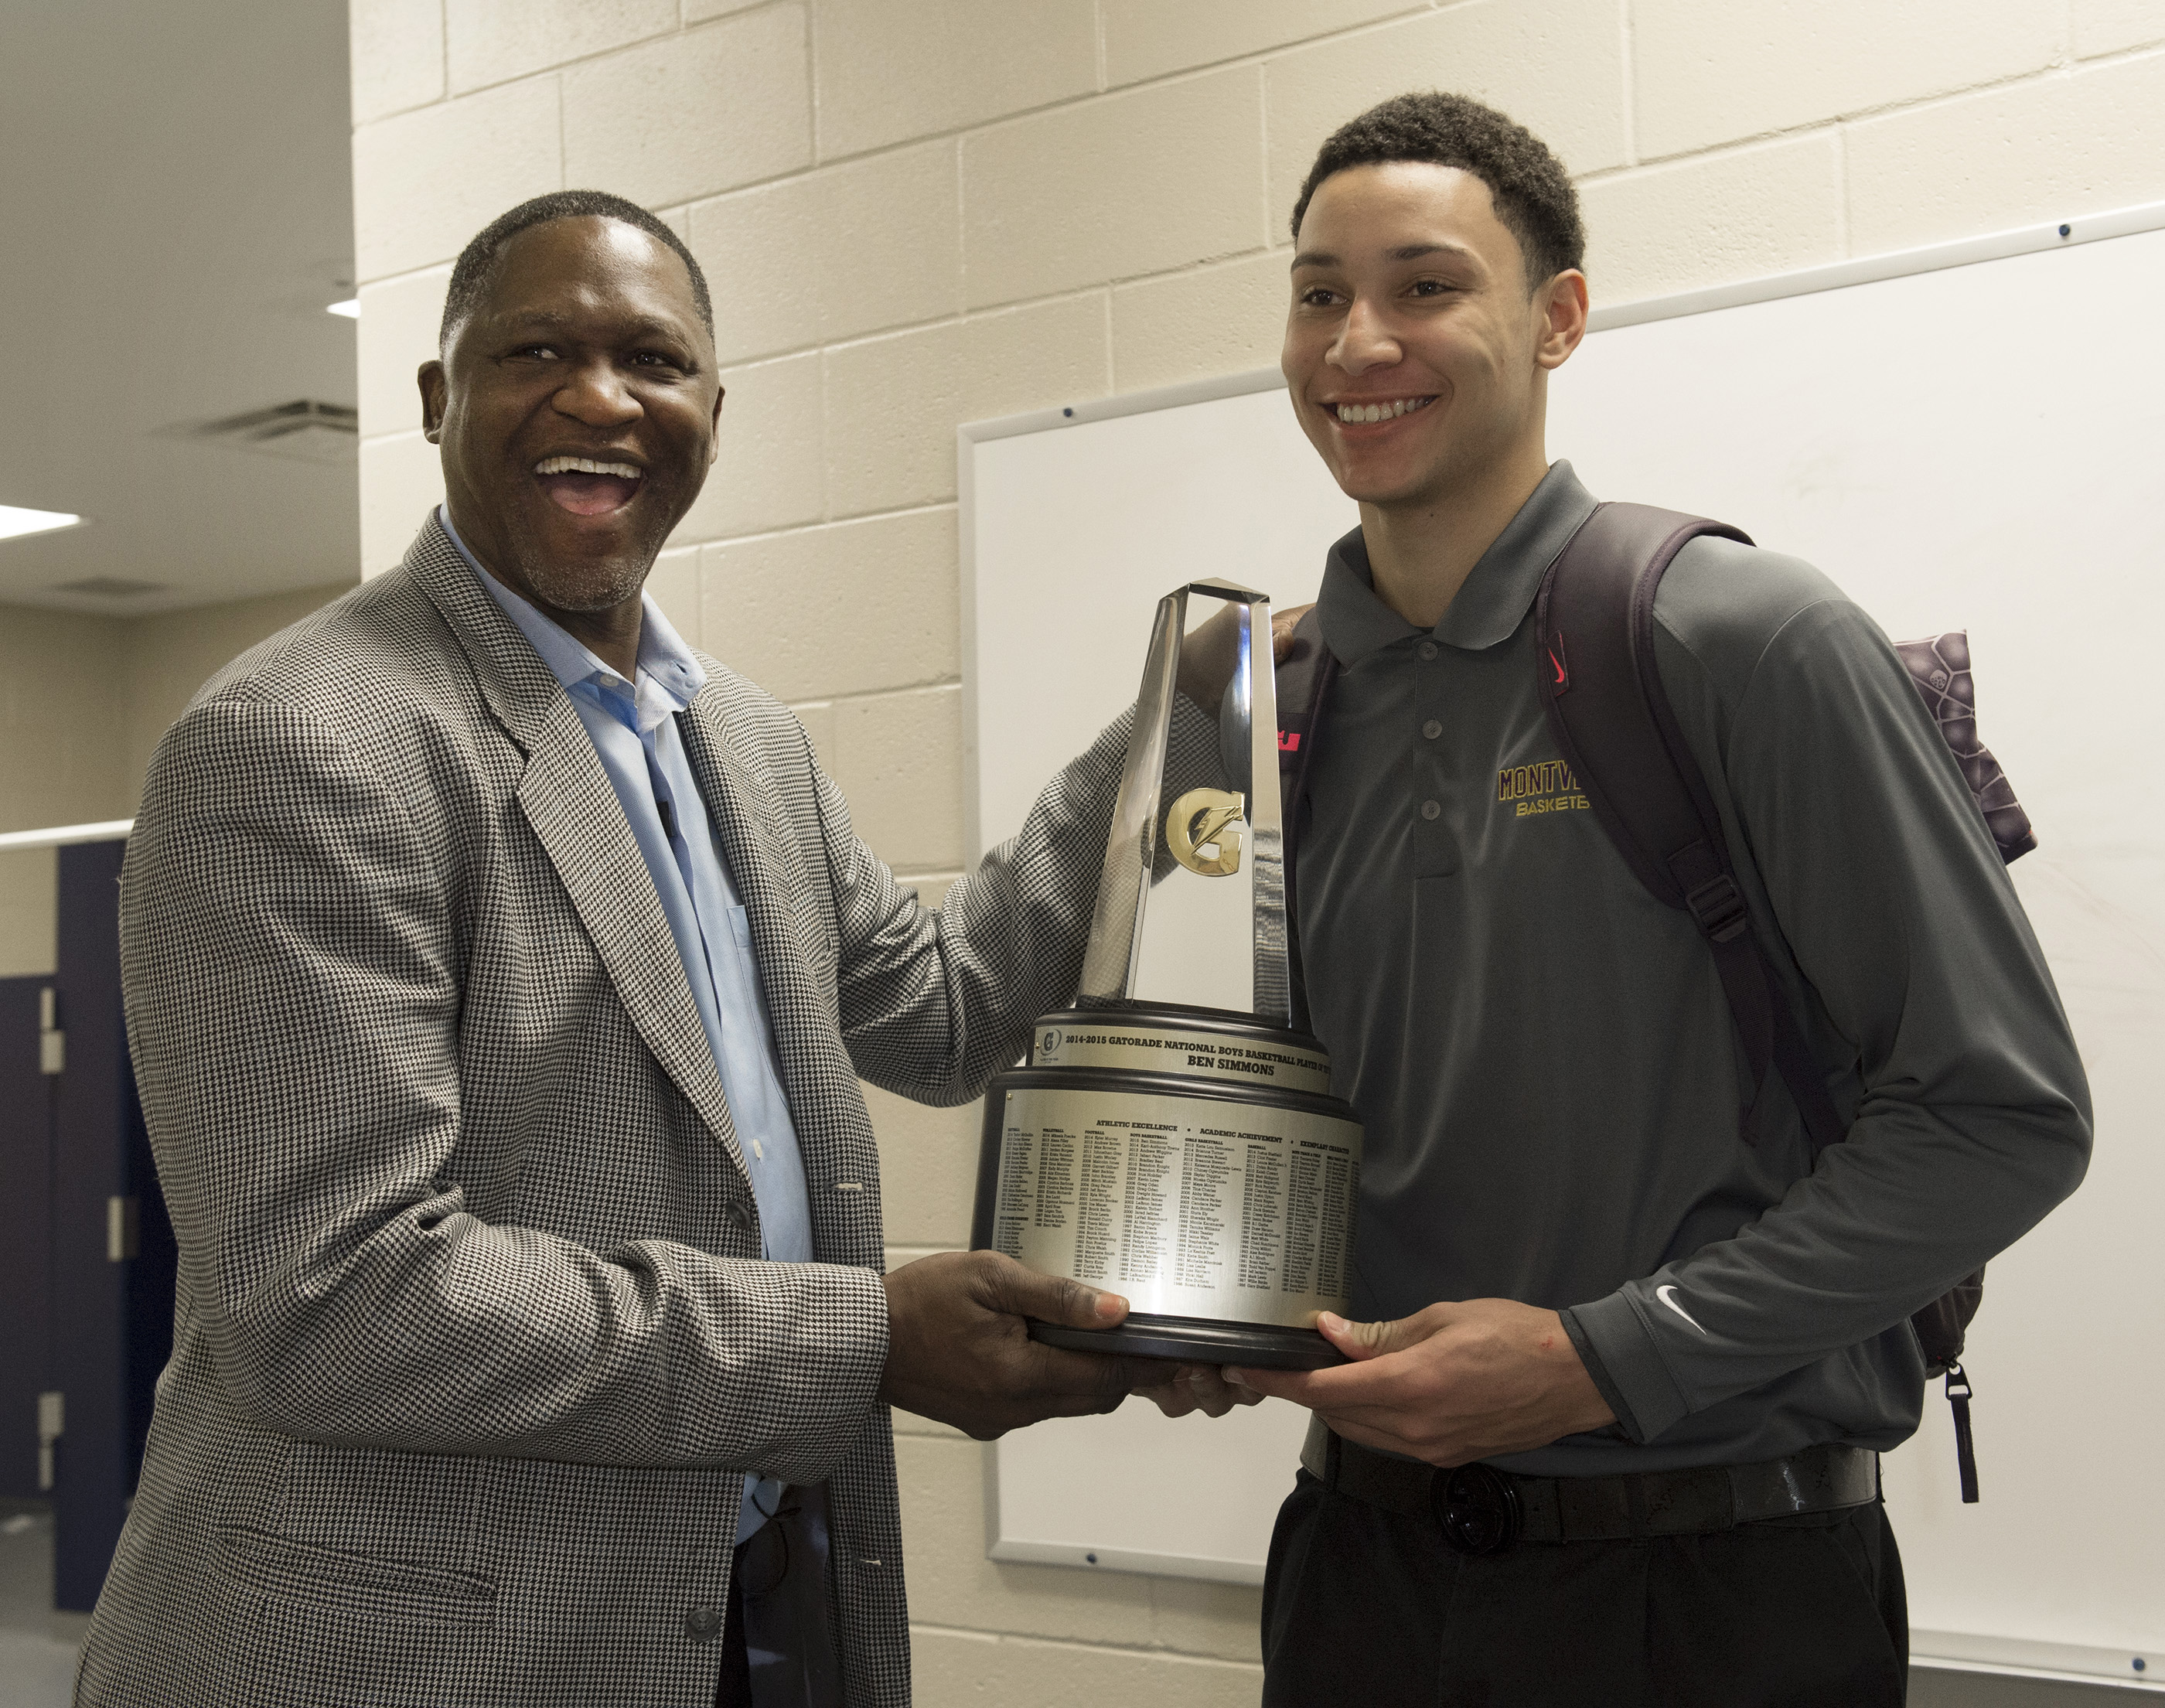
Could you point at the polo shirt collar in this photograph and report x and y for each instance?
(1494, 601)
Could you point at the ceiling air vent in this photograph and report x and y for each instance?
(307, 428)
(111, 587)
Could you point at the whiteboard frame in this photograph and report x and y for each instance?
(1953, 1651)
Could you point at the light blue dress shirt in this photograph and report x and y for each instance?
(633, 727)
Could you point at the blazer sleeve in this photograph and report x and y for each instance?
(934, 1004)
(292, 984)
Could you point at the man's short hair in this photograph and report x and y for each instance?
(1533, 193)
(474, 273)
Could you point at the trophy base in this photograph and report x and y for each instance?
(1198, 1340)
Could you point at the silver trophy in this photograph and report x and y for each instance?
(1192, 1159)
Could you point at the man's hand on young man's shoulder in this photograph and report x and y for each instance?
(1464, 1380)
(1209, 652)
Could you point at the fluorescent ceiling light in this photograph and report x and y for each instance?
(13, 521)
(351, 307)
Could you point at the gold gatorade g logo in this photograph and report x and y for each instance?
(1204, 831)
(1547, 786)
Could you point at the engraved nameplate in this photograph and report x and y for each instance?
(1199, 1055)
(1186, 1206)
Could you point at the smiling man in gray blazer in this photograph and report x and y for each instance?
(499, 975)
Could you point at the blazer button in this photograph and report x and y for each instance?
(738, 1212)
(703, 1624)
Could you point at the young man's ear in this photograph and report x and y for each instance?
(1563, 305)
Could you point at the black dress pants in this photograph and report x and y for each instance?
(779, 1648)
(1363, 1605)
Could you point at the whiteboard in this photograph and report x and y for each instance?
(1971, 437)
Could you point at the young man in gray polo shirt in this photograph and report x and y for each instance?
(1577, 1271)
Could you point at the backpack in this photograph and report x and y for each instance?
(1614, 726)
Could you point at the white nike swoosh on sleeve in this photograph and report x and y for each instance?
(1664, 1293)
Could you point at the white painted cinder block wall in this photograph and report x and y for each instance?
(915, 212)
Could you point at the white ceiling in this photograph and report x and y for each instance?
(175, 209)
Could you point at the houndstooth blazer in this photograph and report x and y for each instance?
(472, 1345)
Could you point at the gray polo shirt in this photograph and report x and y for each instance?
(1540, 1051)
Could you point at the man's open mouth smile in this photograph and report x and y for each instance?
(586, 486)
(1382, 409)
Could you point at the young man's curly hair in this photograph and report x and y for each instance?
(1533, 194)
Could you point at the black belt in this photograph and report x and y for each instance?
(1483, 1511)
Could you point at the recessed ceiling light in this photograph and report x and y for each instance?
(351, 307)
(15, 521)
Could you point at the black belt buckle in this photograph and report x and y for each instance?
(1477, 1508)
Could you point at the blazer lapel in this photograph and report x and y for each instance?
(575, 813)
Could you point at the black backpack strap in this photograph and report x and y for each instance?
(1304, 676)
(1613, 724)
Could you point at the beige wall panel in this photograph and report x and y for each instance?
(401, 478)
(396, 333)
(888, 72)
(2081, 143)
(850, 608)
(1216, 319)
(955, 1666)
(1224, 1620)
(2111, 26)
(169, 657)
(1554, 65)
(1149, 38)
(29, 912)
(60, 746)
(1132, 184)
(492, 41)
(426, 181)
(722, 105)
(769, 452)
(855, 249)
(1739, 215)
(898, 759)
(927, 1168)
(893, 403)
(760, 249)
(1712, 74)
(699, 11)
(674, 585)
(396, 50)
(891, 241)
